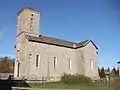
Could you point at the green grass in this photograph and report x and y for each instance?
(59, 85)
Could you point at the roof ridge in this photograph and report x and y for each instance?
(58, 39)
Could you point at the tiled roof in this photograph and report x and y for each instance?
(26, 8)
(57, 42)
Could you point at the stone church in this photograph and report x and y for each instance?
(42, 57)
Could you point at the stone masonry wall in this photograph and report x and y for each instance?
(46, 61)
(90, 54)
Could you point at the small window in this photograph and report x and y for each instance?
(18, 46)
(31, 23)
(31, 19)
(37, 60)
(32, 14)
(30, 55)
(69, 64)
(55, 62)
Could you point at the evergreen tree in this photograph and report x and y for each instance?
(117, 72)
(102, 73)
(99, 71)
(114, 71)
(108, 70)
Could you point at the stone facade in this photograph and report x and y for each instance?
(39, 58)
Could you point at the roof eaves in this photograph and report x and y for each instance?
(51, 43)
(94, 44)
(86, 42)
(74, 46)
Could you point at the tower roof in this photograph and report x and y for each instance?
(27, 8)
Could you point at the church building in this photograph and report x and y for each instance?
(42, 57)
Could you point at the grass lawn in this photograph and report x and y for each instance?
(58, 85)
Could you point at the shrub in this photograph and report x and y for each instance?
(75, 79)
(116, 84)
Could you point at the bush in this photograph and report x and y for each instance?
(75, 79)
(116, 84)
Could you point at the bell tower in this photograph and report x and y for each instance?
(28, 21)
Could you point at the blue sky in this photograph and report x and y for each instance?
(74, 20)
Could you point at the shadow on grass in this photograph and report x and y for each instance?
(8, 84)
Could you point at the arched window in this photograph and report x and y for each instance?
(18, 69)
(37, 60)
(69, 64)
(55, 62)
